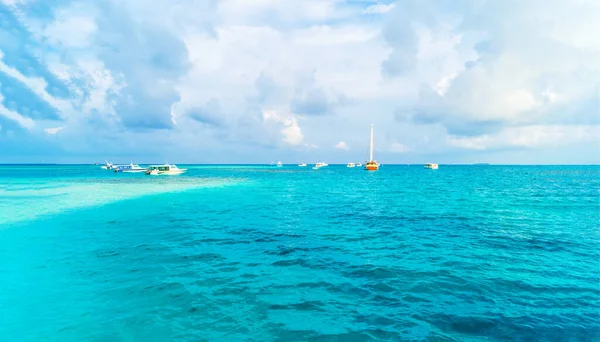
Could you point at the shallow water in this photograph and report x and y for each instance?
(293, 254)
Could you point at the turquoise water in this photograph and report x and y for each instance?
(463, 253)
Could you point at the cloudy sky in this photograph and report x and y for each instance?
(239, 81)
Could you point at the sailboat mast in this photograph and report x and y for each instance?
(371, 145)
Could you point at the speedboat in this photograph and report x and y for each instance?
(319, 165)
(351, 165)
(166, 169)
(129, 168)
(431, 166)
(302, 165)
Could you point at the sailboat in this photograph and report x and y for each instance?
(371, 165)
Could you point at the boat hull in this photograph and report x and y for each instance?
(165, 173)
(372, 166)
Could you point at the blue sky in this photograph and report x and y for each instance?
(237, 81)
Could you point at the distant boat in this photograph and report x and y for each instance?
(371, 165)
(302, 165)
(107, 166)
(166, 169)
(431, 166)
(319, 165)
(359, 164)
(129, 168)
(350, 165)
(279, 164)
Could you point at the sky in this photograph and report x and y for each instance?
(238, 81)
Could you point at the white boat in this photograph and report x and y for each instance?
(279, 164)
(372, 165)
(107, 166)
(359, 164)
(129, 168)
(431, 166)
(320, 165)
(302, 165)
(350, 165)
(165, 169)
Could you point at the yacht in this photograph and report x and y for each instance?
(129, 168)
(302, 165)
(166, 169)
(319, 165)
(351, 165)
(431, 166)
(371, 165)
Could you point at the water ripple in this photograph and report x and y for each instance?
(250, 254)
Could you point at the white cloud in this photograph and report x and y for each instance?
(493, 63)
(535, 136)
(37, 85)
(71, 31)
(342, 146)
(53, 131)
(398, 148)
(379, 8)
(291, 132)
(13, 2)
(280, 12)
(15, 116)
(485, 70)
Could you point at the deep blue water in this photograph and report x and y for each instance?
(463, 253)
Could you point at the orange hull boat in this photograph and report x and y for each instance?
(371, 165)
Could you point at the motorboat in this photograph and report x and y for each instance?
(320, 165)
(302, 165)
(107, 166)
(350, 165)
(359, 164)
(129, 168)
(165, 169)
(279, 164)
(431, 166)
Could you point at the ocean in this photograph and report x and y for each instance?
(260, 253)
